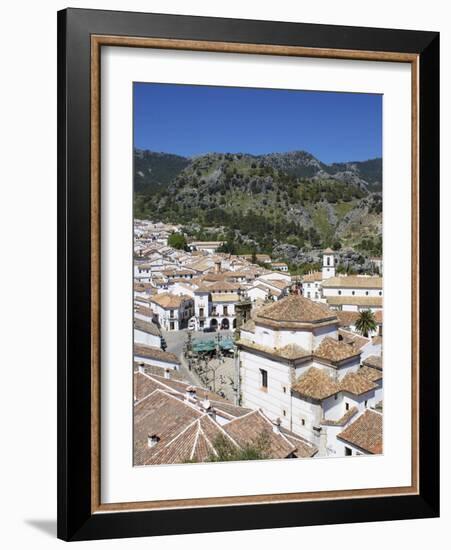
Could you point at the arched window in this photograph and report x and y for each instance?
(339, 293)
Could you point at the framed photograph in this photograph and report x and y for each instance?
(248, 274)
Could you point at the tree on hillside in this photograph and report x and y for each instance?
(177, 240)
(366, 323)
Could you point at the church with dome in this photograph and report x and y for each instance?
(310, 377)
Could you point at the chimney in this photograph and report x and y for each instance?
(276, 426)
(152, 440)
(218, 266)
(167, 374)
(206, 405)
(190, 393)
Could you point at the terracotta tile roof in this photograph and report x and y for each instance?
(228, 409)
(343, 420)
(185, 432)
(150, 352)
(277, 283)
(365, 432)
(373, 361)
(328, 251)
(179, 387)
(379, 316)
(372, 374)
(351, 338)
(139, 286)
(353, 281)
(347, 318)
(144, 326)
(312, 277)
(249, 428)
(369, 301)
(315, 384)
(356, 383)
(143, 386)
(295, 309)
(164, 416)
(304, 449)
(334, 350)
(169, 301)
(290, 352)
(143, 310)
(376, 340)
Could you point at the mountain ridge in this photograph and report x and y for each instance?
(259, 202)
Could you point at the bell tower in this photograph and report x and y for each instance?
(328, 264)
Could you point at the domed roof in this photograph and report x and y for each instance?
(295, 309)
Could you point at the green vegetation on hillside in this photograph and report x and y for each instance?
(255, 203)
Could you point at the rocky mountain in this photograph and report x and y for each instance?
(262, 202)
(153, 170)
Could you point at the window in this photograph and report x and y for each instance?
(284, 412)
(303, 421)
(366, 403)
(201, 324)
(336, 396)
(308, 294)
(380, 293)
(171, 325)
(339, 293)
(225, 310)
(284, 389)
(201, 312)
(367, 293)
(348, 451)
(347, 406)
(264, 379)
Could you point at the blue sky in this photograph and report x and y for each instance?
(192, 120)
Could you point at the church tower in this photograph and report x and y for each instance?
(328, 264)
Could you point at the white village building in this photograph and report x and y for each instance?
(343, 292)
(294, 367)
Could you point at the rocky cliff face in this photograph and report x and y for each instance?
(266, 201)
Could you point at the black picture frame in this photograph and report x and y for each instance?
(75, 518)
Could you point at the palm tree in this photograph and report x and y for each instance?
(366, 322)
